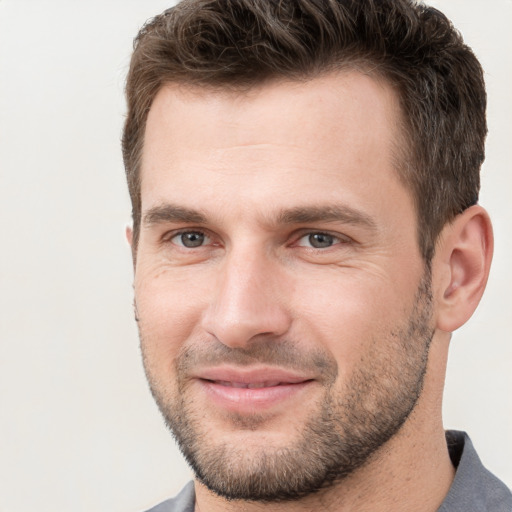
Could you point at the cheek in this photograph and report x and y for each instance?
(169, 308)
(347, 315)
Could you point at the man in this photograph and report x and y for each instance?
(304, 178)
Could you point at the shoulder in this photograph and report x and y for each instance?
(183, 502)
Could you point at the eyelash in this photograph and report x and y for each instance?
(170, 237)
(337, 238)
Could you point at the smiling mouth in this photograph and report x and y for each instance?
(253, 396)
(250, 385)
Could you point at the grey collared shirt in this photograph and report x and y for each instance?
(474, 489)
(184, 502)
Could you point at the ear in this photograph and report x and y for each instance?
(129, 235)
(463, 259)
(129, 238)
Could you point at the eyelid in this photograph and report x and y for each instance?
(339, 238)
(172, 234)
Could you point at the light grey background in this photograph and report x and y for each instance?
(78, 428)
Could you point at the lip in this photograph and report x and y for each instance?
(251, 390)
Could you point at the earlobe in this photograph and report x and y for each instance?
(465, 255)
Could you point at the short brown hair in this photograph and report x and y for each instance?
(239, 43)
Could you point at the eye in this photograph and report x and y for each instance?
(190, 239)
(318, 240)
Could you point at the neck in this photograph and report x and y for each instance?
(412, 471)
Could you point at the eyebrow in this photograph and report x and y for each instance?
(298, 215)
(172, 213)
(331, 213)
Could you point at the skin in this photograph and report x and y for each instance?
(237, 162)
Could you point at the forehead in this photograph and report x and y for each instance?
(336, 133)
(346, 99)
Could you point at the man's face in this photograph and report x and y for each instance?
(284, 309)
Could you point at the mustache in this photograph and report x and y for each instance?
(268, 352)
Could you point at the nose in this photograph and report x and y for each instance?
(248, 302)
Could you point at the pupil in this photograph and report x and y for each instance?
(192, 239)
(320, 240)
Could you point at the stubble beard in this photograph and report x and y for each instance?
(347, 428)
